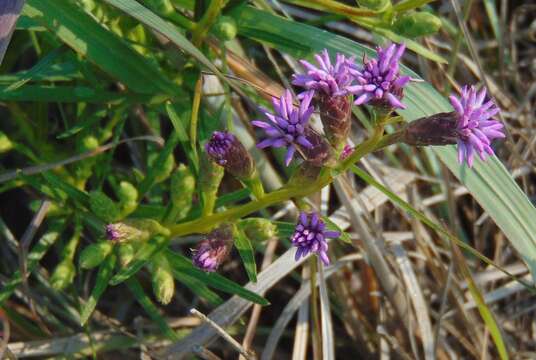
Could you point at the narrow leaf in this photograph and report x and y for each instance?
(243, 245)
(184, 265)
(101, 283)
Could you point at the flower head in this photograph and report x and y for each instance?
(379, 81)
(475, 125)
(227, 151)
(214, 249)
(287, 126)
(326, 78)
(112, 232)
(310, 235)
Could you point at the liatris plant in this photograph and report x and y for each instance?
(162, 167)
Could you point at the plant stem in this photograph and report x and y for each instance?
(314, 308)
(209, 18)
(206, 223)
(255, 185)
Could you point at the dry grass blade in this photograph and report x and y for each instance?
(417, 298)
(235, 344)
(9, 13)
(328, 344)
(375, 255)
(293, 305)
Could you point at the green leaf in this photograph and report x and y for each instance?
(198, 287)
(147, 17)
(150, 308)
(68, 94)
(86, 36)
(182, 264)
(489, 183)
(243, 245)
(101, 283)
(143, 255)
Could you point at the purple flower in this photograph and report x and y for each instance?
(213, 250)
(327, 79)
(379, 81)
(112, 232)
(476, 127)
(227, 151)
(287, 126)
(310, 235)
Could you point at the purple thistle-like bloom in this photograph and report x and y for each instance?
(326, 79)
(379, 81)
(227, 151)
(310, 235)
(287, 126)
(475, 126)
(213, 250)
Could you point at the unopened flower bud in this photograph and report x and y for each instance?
(225, 28)
(376, 5)
(258, 229)
(128, 198)
(210, 175)
(5, 143)
(94, 254)
(227, 151)
(417, 24)
(438, 129)
(162, 172)
(163, 282)
(126, 252)
(214, 249)
(63, 275)
(181, 192)
(335, 114)
(134, 230)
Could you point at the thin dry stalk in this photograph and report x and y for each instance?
(235, 344)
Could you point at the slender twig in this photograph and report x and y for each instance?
(235, 344)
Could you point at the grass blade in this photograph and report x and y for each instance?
(101, 283)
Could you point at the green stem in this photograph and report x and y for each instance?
(208, 222)
(314, 306)
(255, 185)
(209, 18)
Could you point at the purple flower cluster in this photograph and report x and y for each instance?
(475, 125)
(286, 128)
(379, 81)
(214, 249)
(219, 145)
(327, 79)
(227, 151)
(310, 235)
